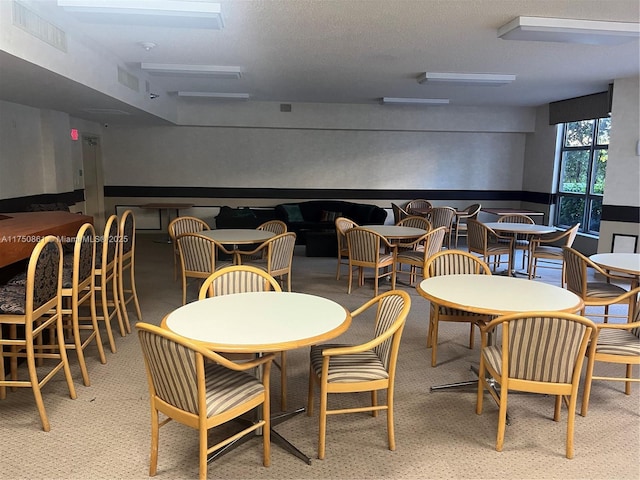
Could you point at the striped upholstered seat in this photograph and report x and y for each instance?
(367, 367)
(616, 343)
(452, 262)
(543, 353)
(201, 395)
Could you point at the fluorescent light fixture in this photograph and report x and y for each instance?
(592, 32)
(158, 13)
(216, 95)
(466, 78)
(214, 71)
(414, 101)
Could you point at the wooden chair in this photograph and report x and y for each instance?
(398, 213)
(415, 221)
(485, 242)
(277, 227)
(521, 242)
(365, 251)
(468, 213)
(78, 290)
(178, 226)
(241, 279)
(198, 258)
(127, 292)
(416, 253)
(539, 352)
(417, 206)
(452, 262)
(367, 367)
(548, 250)
(28, 312)
(106, 280)
(615, 343)
(201, 389)
(342, 225)
(595, 294)
(277, 259)
(442, 217)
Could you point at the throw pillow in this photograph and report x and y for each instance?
(327, 216)
(294, 214)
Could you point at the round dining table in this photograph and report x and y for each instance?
(526, 229)
(238, 236)
(495, 295)
(259, 322)
(396, 232)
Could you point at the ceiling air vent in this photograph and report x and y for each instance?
(37, 26)
(128, 80)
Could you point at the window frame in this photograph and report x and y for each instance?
(588, 197)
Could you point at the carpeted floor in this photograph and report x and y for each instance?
(105, 433)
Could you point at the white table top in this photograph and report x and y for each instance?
(396, 231)
(497, 295)
(260, 321)
(619, 262)
(238, 236)
(524, 228)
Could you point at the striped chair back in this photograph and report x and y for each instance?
(390, 316)
(516, 218)
(181, 225)
(238, 279)
(280, 253)
(197, 253)
(277, 227)
(415, 221)
(455, 262)
(364, 246)
(541, 346)
(576, 271)
(172, 371)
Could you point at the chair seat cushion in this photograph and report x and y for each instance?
(358, 367)
(18, 280)
(617, 342)
(227, 388)
(603, 290)
(548, 251)
(415, 256)
(12, 300)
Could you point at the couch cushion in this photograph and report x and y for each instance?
(329, 216)
(294, 214)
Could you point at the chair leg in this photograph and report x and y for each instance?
(571, 416)
(312, 382)
(390, 420)
(322, 422)
(37, 394)
(202, 457)
(471, 336)
(155, 427)
(283, 381)
(627, 385)
(434, 343)
(502, 419)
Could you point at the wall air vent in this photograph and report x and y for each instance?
(37, 26)
(128, 80)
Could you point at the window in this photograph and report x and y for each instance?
(583, 166)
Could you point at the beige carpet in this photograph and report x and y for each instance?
(105, 432)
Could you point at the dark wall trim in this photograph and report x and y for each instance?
(21, 204)
(618, 213)
(318, 193)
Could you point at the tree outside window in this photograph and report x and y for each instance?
(583, 168)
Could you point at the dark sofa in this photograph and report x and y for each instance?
(313, 221)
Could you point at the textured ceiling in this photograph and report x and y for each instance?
(346, 51)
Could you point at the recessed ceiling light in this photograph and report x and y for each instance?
(157, 13)
(593, 32)
(216, 95)
(414, 101)
(215, 71)
(488, 79)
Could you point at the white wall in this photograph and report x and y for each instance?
(622, 185)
